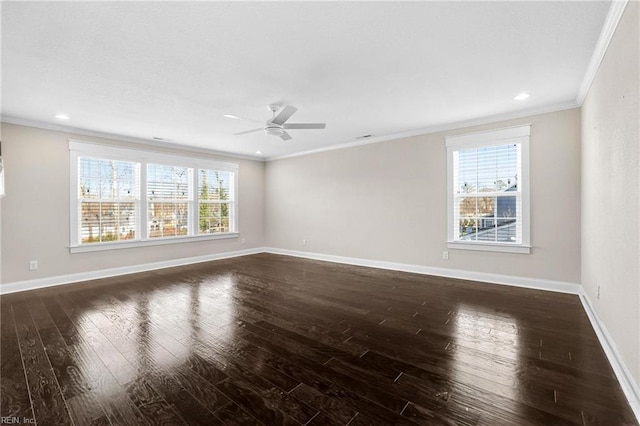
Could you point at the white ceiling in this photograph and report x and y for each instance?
(173, 69)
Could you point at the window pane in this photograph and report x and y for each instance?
(487, 169)
(466, 207)
(90, 227)
(488, 234)
(214, 218)
(107, 221)
(168, 219)
(215, 185)
(495, 219)
(507, 233)
(467, 228)
(476, 207)
(507, 209)
(168, 182)
(107, 179)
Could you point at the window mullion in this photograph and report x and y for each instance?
(194, 216)
(144, 203)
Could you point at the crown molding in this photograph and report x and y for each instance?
(608, 30)
(438, 128)
(123, 138)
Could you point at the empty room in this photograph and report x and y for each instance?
(320, 213)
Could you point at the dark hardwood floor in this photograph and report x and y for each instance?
(273, 340)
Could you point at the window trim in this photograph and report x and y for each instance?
(79, 148)
(504, 136)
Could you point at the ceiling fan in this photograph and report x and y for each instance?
(278, 126)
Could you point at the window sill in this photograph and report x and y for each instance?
(118, 245)
(504, 248)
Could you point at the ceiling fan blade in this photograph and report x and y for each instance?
(305, 126)
(285, 136)
(284, 115)
(238, 117)
(249, 131)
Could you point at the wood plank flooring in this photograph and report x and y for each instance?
(276, 340)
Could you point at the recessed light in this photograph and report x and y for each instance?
(231, 116)
(521, 97)
(258, 152)
(62, 117)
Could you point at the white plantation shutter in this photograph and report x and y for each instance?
(488, 189)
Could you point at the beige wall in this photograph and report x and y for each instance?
(35, 212)
(387, 201)
(611, 189)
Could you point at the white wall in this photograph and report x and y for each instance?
(611, 190)
(35, 212)
(387, 201)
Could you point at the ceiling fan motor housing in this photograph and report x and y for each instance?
(274, 130)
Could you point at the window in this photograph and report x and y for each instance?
(216, 196)
(109, 199)
(123, 197)
(169, 199)
(488, 190)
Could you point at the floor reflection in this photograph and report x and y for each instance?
(159, 329)
(486, 353)
(182, 317)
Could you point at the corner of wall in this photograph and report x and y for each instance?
(610, 131)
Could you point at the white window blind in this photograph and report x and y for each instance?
(488, 189)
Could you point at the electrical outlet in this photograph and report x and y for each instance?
(598, 293)
(33, 265)
(304, 242)
(445, 255)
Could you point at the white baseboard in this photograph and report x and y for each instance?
(627, 383)
(17, 286)
(534, 283)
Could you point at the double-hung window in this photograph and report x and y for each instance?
(488, 190)
(216, 198)
(108, 199)
(122, 197)
(169, 200)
